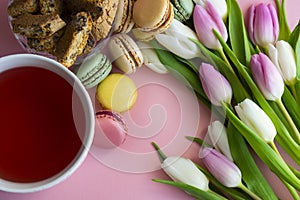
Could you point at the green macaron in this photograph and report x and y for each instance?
(183, 9)
(94, 69)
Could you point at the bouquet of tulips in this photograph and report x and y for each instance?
(249, 76)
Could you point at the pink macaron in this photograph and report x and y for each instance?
(110, 129)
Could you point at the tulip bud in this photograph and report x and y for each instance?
(205, 20)
(224, 170)
(218, 135)
(283, 56)
(185, 171)
(215, 85)
(177, 40)
(266, 77)
(256, 119)
(219, 5)
(263, 27)
(151, 60)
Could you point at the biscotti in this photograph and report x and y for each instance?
(102, 12)
(47, 44)
(18, 7)
(37, 26)
(74, 40)
(51, 6)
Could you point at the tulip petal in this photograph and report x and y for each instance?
(287, 61)
(178, 29)
(275, 23)
(220, 26)
(218, 135)
(220, 167)
(267, 77)
(185, 171)
(256, 119)
(251, 23)
(215, 85)
(263, 25)
(184, 47)
(204, 25)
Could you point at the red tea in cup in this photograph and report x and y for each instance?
(38, 134)
(46, 123)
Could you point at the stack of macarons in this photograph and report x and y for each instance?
(116, 93)
(151, 17)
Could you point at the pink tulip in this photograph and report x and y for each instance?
(263, 27)
(205, 20)
(266, 77)
(215, 85)
(224, 170)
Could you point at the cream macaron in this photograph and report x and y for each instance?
(123, 22)
(125, 53)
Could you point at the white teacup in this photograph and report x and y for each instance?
(83, 120)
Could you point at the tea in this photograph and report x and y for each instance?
(38, 135)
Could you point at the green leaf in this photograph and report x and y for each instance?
(294, 41)
(188, 63)
(294, 37)
(237, 33)
(264, 151)
(195, 192)
(284, 29)
(292, 106)
(297, 87)
(252, 176)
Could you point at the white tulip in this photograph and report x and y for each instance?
(185, 171)
(218, 135)
(283, 57)
(220, 6)
(151, 59)
(256, 119)
(177, 40)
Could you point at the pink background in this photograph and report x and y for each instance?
(165, 112)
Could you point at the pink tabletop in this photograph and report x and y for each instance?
(165, 112)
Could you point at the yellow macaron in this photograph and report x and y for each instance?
(117, 92)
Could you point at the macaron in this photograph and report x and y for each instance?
(117, 92)
(123, 22)
(153, 16)
(94, 69)
(110, 129)
(125, 53)
(183, 9)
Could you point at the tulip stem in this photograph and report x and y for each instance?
(273, 146)
(223, 56)
(292, 190)
(249, 192)
(294, 92)
(296, 134)
(214, 193)
(161, 154)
